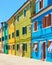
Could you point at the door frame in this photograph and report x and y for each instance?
(43, 52)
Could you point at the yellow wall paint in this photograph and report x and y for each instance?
(11, 41)
(24, 21)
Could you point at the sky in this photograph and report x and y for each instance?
(8, 8)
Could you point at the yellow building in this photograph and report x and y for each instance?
(11, 36)
(23, 30)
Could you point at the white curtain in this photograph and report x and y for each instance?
(50, 48)
(35, 46)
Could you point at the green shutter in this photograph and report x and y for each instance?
(24, 30)
(17, 32)
(24, 47)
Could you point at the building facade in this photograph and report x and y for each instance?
(23, 31)
(0, 40)
(5, 32)
(42, 4)
(11, 39)
(42, 32)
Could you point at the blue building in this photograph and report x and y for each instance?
(42, 31)
(41, 4)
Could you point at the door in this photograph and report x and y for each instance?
(43, 51)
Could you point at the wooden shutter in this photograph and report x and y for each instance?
(49, 20)
(41, 4)
(49, 42)
(35, 26)
(44, 22)
(17, 46)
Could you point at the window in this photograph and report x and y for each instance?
(24, 47)
(47, 21)
(24, 30)
(24, 13)
(29, 6)
(35, 47)
(2, 38)
(17, 17)
(41, 4)
(13, 35)
(50, 46)
(29, 29)
(7, 47)
(5, 37)
(9, 36)
(13, 46)
(17, 32)
(17, 46)
(44, 22)
(35, 26)
(49, 42)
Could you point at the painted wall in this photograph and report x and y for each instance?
(11, 41)
(18, 25)
(1, 40)
(5, 40)
(46, 3)
(42, 34)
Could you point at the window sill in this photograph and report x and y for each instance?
(47, 27)
(35, 31)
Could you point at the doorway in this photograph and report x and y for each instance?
(43, 51)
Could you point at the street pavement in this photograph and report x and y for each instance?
(15, 60)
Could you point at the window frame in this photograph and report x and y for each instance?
(41, 6)
(18, 46)
(12, 34)
(9, 36)
(49, 44)
(24, 47)
(17, 31)
(37, 27)
(24, 31)
(17, 18)
(24, 12)
(47, 22)
(2, 38)
(37, 46)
